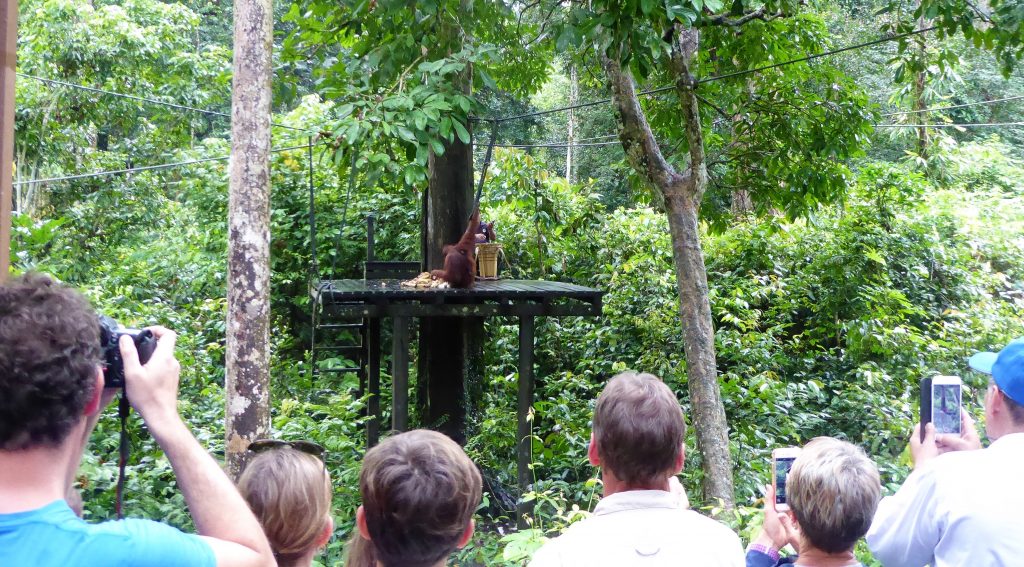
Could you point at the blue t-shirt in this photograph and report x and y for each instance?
(52, 536)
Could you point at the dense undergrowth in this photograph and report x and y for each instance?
(823, 325)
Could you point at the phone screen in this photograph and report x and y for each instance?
(946, 408)
(782, 466)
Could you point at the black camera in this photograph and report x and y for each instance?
(110, 334)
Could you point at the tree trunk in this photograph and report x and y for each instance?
(574, 98)
(9, 25)
(247, 388)
(683, 193)
(442, 350)
(919, 101)
(443, 340)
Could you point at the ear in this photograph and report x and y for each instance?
(325, 534)
(592, 455)
(467, 534)
(92, 407)
(680, 460)
(361, 523)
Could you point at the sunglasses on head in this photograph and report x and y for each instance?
(309, 447)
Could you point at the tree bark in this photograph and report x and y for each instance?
(247, 385)
(9, 25)
(444, 345)
(919, 101)
(682, 193)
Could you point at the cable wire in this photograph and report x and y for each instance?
(938, 108)
(951, 125)
(143, 168)
(148, 100)
(557, 145)
(715, 77)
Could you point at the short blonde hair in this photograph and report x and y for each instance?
(833, 490)
(419, 491)
(639, 428)
(290, 493)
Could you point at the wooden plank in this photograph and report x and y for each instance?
(400, 374)
(577, 309)
(373, 377)
(9, 25)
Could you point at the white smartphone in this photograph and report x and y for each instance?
(947, 393)
(782, 462)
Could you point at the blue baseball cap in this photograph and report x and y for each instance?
(1006, 368)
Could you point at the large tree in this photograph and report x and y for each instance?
(248, 319)
(780, 135)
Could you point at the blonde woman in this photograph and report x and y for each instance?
(288, 489)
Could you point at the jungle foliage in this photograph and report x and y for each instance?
(827, 309)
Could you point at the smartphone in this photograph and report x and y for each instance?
(782, 462)
(946, 398)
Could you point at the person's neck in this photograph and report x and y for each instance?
(813, 557)
(612, 485)
(440, 563)
(33, 478)
(304, 561)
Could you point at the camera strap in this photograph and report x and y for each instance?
(122, 413)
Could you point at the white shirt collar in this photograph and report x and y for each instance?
(635, 500)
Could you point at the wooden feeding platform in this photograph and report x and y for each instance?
(340, 302)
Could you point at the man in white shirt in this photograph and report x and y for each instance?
(638, 441)
(962, 505)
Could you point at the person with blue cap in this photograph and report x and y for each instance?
(962, 505)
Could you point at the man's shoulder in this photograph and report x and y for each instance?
(600, 538)
(63, 540)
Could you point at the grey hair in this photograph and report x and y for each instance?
(833, 490)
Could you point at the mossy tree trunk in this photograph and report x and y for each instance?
(247, 395)
(682, 192)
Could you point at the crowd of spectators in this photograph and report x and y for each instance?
(419, 491)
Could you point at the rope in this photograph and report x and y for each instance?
(716, 77)
(344, 213)
(140, 169)
(483, 172)
(938, 108)
(149, 100)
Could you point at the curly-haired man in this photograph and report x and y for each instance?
(51, 393)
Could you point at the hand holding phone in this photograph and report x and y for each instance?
(782, 462)
(941, 402)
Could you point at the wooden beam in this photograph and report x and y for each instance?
(524, 419)
(9, 25)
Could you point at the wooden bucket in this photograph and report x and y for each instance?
(487, 259)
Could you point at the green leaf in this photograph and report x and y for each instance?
(461, 131)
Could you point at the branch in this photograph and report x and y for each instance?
(642, 151)
(712, 105)
(725, 20)
(519, 20)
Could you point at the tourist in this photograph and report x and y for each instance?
(638, 441)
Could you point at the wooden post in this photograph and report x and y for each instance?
(523, 436)
(247, 384)
(400, 373)
(373, 377)
(9, 25)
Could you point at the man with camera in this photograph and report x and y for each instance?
(962, 504)
(51, 394)
(638, 442)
